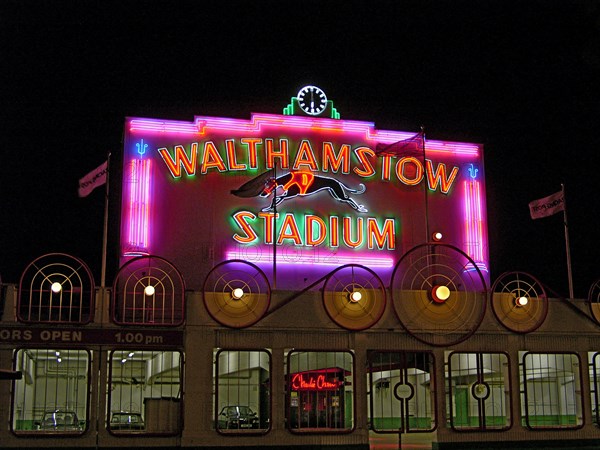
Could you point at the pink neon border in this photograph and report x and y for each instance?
(258, 122)
(473, 221)
(139, 206)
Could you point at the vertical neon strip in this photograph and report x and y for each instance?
(139, 207)
(473, 221)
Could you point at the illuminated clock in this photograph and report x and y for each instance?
(312, 100)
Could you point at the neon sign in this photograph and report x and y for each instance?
(321, 195)
(348, 232)
(205, 157)
(307, 382)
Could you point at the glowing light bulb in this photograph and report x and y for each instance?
(522, 301)
(237, 293)
(149, 290)
(355, 296)
(437, 236)
(440, 294)
(56, 287)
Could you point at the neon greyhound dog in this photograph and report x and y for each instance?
(307, 183)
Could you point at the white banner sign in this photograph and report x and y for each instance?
(547, 206)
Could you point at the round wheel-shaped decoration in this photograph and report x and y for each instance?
(438, 294)
(149, 290)
(594, 300)
(519, 302)
(56, 288)
(354, 297)
(236, 293)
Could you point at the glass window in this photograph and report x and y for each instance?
(144, 394)
(320, 395)
(242, 391)
(52, 395)
(401, 386)
(478, 391)
(594, 359)
(551, 390)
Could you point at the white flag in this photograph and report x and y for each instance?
(92, 180)
(547, 206)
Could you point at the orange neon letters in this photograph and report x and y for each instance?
(356, 232)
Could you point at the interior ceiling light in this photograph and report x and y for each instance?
(149, 290)
(56, 287)
(437, 236)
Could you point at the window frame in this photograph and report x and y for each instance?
(46, 409)
(578, 397)
(217, 408)
(145, 432)
(481, 402)
(288, 392)
(404, 418)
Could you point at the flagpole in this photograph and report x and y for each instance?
(427, 236)
(569, 271)
(105, 231)
(275, 226)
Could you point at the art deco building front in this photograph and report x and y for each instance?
(296, 280)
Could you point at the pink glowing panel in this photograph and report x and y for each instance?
(329, 260)
(473, 220)
(139, 205)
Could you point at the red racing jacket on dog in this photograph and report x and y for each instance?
(303, 180)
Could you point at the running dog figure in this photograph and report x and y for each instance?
(307, 183)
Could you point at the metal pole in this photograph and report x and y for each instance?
(569, 271)
(105, 231)
(427, 236)
(275, 226)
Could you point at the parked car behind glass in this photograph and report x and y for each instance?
(126, 421)
(237, 417)
(60, 421)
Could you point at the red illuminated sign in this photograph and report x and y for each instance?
(313, 382)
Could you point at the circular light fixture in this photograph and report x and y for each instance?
(149, 290)
(521, 301)
(437, 236)
(237, 293)
(355, 296)
(56, 287)
(440, 294)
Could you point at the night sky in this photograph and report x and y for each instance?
(520, 77)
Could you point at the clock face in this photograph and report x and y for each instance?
(312, 100)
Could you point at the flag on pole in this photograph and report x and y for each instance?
(413, 146)
(92, 180)
(547, 206)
